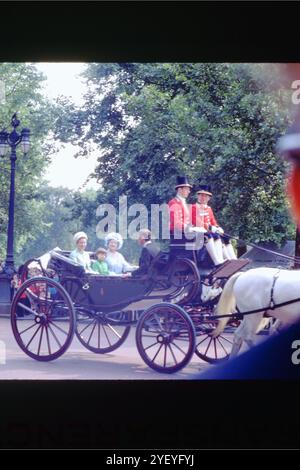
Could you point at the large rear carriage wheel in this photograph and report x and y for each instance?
(165, 338)
(42, 318)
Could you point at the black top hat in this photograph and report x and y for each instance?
(204, 189)
(183, 181)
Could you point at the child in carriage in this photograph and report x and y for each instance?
(101, 267)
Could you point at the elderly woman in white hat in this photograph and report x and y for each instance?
(115, 260)
(79, 254)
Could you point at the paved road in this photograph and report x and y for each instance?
(79, 363)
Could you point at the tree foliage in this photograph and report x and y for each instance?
(22, 86)
(217, 123)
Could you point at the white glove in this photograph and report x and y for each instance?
(220, 230)
(214, 229)
(198, 229)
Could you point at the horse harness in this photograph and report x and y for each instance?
(272, 305)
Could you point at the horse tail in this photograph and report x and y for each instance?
(226, 304)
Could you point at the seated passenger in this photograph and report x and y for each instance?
(100, 266)
(115, 260)
(149, 252)
(79, 254)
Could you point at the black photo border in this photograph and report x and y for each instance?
(149, 414)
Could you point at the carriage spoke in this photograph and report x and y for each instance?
(223, 337)
(173, 354)
(98, 335)
(215, 348)
(48, 341)
(208, 346)
(32, 326)
(58, 327)
(40, 341)
(106, 335)
(55, 337)
(115, 332)
(93, 329)
(89, 324)
(151, 345)
(165, 356)
(29, 343)
(157, 352)
(202, 341)
(222, 346)
(176, 345)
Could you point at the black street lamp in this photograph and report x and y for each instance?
(11, 141)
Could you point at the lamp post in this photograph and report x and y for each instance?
(11, 141)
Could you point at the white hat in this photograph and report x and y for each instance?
(114, 236)
(79, 235)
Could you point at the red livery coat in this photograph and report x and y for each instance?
(203, 216)
(179, 215)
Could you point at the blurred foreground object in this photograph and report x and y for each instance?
(276, 358)
(289, 146)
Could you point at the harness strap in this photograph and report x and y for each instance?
(272, 304)
(250, 312)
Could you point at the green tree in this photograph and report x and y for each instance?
(56, 227)
(217, 123)
(22, 85)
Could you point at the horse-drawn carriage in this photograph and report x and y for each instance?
(172, 322)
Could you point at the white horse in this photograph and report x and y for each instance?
(255, 289)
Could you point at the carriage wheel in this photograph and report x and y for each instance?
(212, 350)
(42, 318)
(184, 273)
(101, 332)
(165, 338)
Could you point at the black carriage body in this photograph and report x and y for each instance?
(97, 292)
(167, 279)
(106, 294)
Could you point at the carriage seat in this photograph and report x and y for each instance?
(159, 264)
(65, 265)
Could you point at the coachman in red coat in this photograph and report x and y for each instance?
(181, 229)
(217, 245)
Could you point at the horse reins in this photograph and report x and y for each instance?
(253, 245)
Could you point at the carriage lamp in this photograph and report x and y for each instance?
(3, 143)
(10, 140)
(25, 141)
